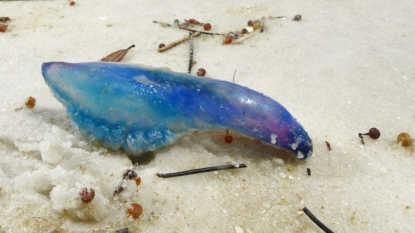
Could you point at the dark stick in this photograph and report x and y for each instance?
(316, 221)
(361, 138)
(201, 170)
(234, 76)
(191, 52)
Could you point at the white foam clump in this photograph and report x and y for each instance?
(278, 161)
(49, 149)
(273, 138)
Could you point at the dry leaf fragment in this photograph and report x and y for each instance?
(117, 56)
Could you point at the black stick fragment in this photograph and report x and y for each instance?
(316, 221)
(191, 53)
(309, 171)
(123, 230)
(201, 170)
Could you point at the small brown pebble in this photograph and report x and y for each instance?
(201, 72)
(250, 23)
(87, 194)
(374, 133)
(228, 138)
(30, 102)
(138, 181)
(227, 40)
(3, 27)
(161, 45)
(297, 18)
(135, 210)
(244, 30)
(207, 26)
(405, 139)
(71, 3)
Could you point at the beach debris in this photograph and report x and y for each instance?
(233, 165)
(123, 230)
(201, 72)
(297, 18)
(207, 26)
(117, 56)
(173, 44)
(135, 210)
(328, 146)
(309, 171)
(228, 137)
(138, 181)
(404, 139)
(30, 102)
(189, 70)
(373, 133)
(316, 221)
(4, 19)
(87, 194)
(3, 27)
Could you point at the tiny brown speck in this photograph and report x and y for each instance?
(72, 3)
(30, 102)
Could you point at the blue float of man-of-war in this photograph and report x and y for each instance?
(140, 109)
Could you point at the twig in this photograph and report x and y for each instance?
(162, 24)
(191, 53)
(171, 45)
(316, 221)
(200, 170)
(234, 76)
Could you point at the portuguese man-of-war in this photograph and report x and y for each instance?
(140, 109)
